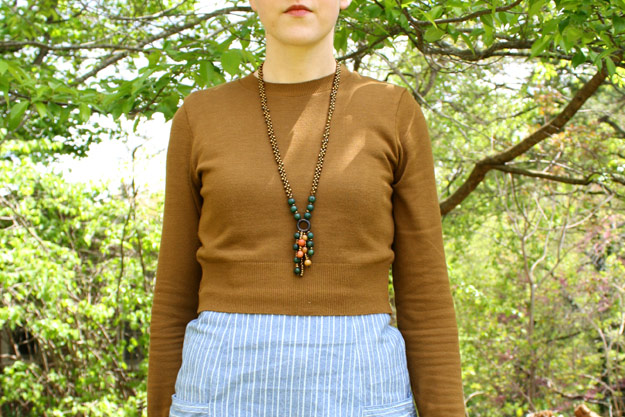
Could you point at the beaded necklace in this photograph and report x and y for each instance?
(304, 245)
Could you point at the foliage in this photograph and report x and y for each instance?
(76, 267)
(534, 247)
(64, 61)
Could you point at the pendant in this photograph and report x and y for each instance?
(303, 246)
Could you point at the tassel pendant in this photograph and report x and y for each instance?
(303, 246)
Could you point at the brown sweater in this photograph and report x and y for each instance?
(228, 231)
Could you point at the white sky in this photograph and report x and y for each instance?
(111, 161)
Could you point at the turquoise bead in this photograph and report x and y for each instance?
(296, 260)
(297, 271)
(308, 215)
(297, 216)
(295, 246)
(310, 243)
(291, 201)
(310, 252)
(310, 207)
(310, 235)
(293, 208)
(312, 198)
(296, 235)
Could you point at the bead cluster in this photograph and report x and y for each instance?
(303, 245)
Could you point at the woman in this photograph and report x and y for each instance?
(266, 309)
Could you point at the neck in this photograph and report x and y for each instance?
(295, 63)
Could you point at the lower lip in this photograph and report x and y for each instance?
(298, 12)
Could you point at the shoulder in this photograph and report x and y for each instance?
(210, 94)
(365, 84)
(374, 96)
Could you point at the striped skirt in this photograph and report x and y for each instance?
(262, 365)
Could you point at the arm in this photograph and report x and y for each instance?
(424, 304)
(178, 273)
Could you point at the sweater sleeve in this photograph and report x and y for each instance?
(178, 272)
(425, 309)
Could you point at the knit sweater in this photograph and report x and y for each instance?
(228, 231)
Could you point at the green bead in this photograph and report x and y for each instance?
(307, 215)
(291, 201)
(296, 235)
(310, 207)
(310, 252)
(310, 243)
(296, 260)
(297, 216)
(295, 246)
(312, 198)
(297, 271)
(310, 235)
(293, 208)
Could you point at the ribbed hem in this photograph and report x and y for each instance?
(250, 81)
(272, 288)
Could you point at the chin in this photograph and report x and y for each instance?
(300, 37)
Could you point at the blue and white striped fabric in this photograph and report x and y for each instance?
(262, 365)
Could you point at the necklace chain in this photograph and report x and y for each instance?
(304, 243)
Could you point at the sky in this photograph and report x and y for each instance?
(111, 160)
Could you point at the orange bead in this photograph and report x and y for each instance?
(300, 253)
(307, 262)
(305, 249)
(301, 242)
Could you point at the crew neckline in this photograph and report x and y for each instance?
(250, 81)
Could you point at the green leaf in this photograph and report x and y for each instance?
(535, 7)
(468, 42)
(549, 26)
(340, 40)
(487, 20)
(205, 73)
(3, 66)
(578, 59)
(539, 46)
(16, 114)
(451, 31)
(85, 112)
(429, 17)
(432, 34)
(609, 64)
(503, 17)
(230, 61)
(572, 34)
(488, 36)
(618, 22)
(437, 11)
(41, 108)
(154, 57)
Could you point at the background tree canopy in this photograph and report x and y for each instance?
(524, 100)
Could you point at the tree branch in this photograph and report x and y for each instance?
(487, 163)
(620, 133)
(536, 174)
